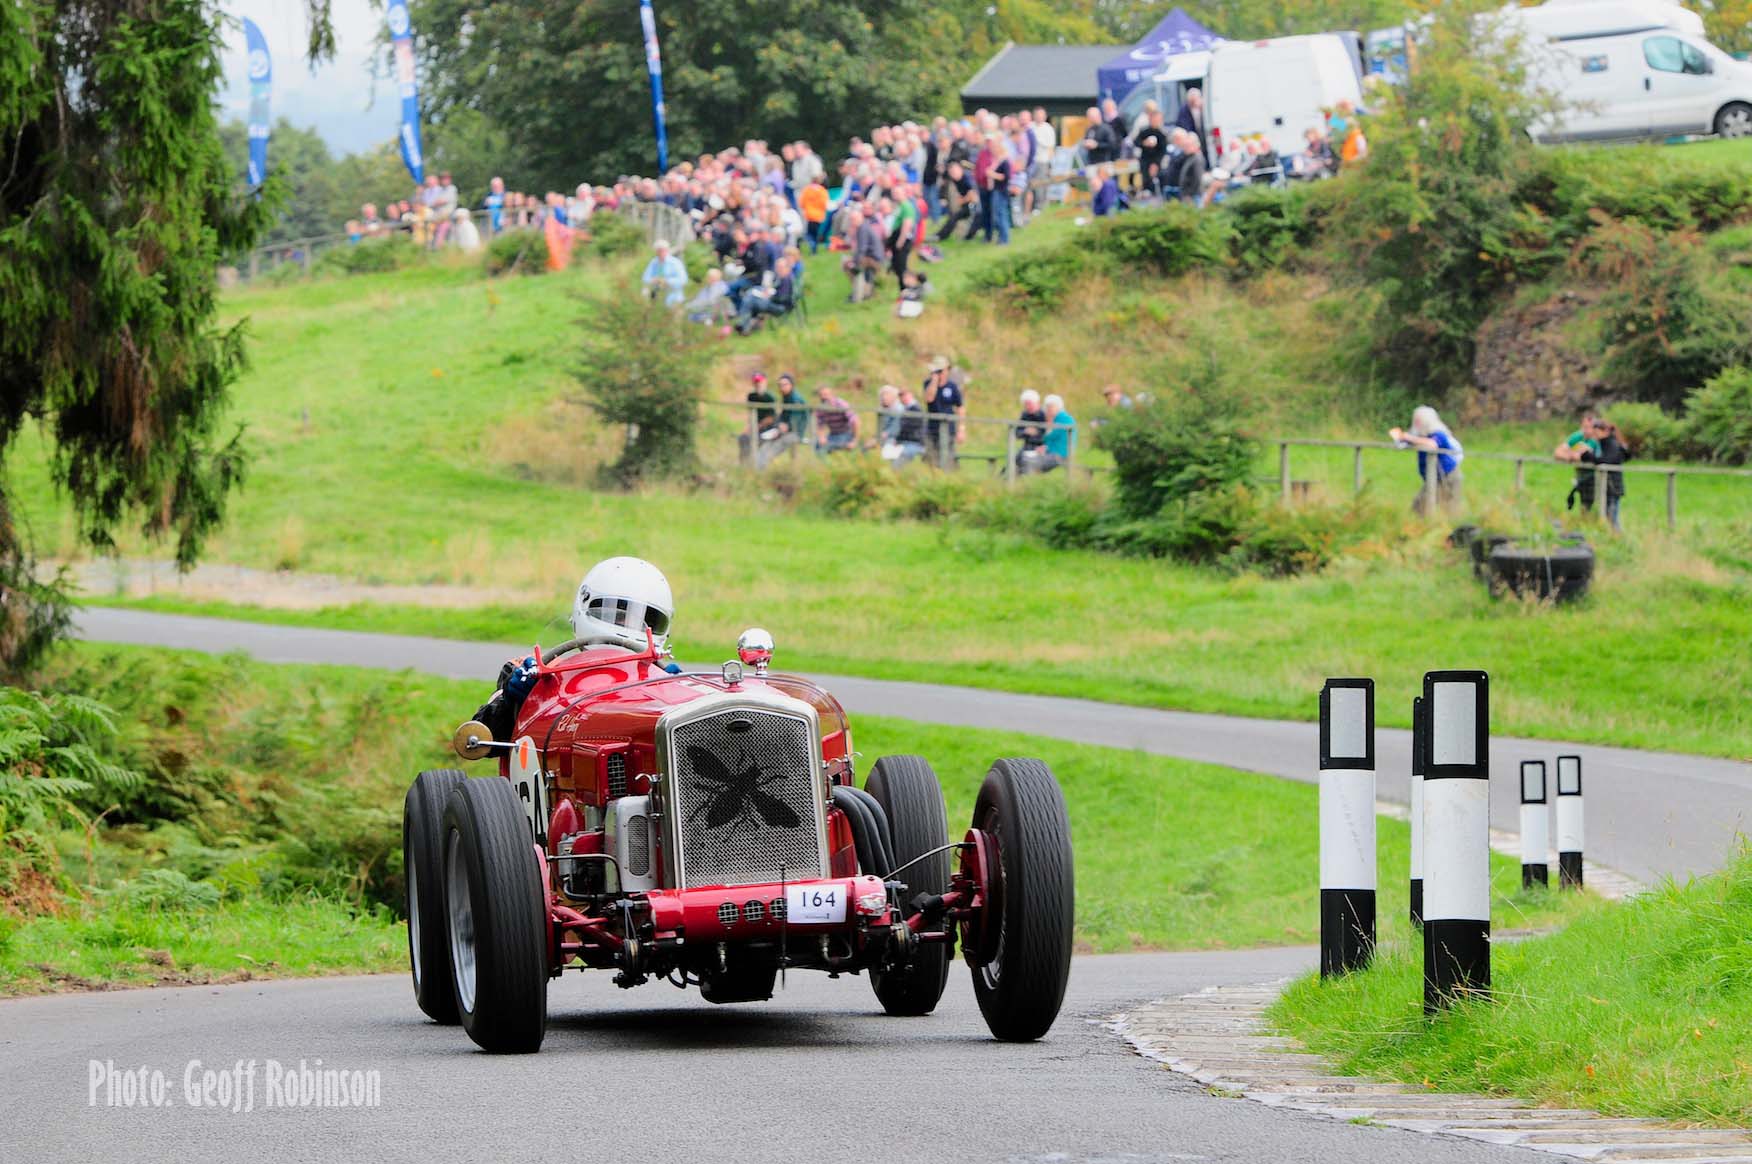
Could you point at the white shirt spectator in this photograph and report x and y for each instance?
(1045, 137)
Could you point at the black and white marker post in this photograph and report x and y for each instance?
(1569, 822)
(1535, 826)
(1456, 928)
(1347, 825)
(1417, 810)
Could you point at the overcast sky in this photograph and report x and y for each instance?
(337, 100)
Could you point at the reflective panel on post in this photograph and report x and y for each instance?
(1456, 841)
(1347, 824)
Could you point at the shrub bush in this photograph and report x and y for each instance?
(372, 256)
(853, 485)
(641, 371)
(1164, 452)
(614, 234)
(1271, 228)
(1669, 318)
(1038, 281)
(1167, 240)
(516, 252)
(1718, 417)
(1652, 433)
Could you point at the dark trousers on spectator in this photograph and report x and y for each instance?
(901, 254)
(816, 232)
(961, 214)
(995, 205)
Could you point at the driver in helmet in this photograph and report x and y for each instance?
(622, 602)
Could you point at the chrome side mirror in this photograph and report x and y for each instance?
(755, 649)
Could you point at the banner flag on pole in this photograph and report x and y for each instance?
(401, 34)
(261, 77)
(654, 65)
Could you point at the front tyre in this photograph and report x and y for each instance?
(496, 918)
(908, 791)
(1734, 120)
(423, 863)
(1019, 976)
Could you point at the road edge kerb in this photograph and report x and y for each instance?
(1217, 1036)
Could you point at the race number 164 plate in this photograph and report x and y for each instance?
(815, 903)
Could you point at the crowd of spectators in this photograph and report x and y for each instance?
(886, 203)
(929, 423)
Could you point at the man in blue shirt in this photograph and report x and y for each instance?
(947, 405)
(666, 275)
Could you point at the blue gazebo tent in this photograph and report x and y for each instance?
(1177, 33)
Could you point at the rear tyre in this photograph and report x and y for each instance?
(1020, 980)
(496, 918)
(1562, 574)
(1734, 120)
(908, 791)
(423, 862)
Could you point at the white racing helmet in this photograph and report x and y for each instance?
(619, 600)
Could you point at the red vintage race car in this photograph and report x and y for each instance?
(706, 828)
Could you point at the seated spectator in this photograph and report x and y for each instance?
(1316, 159)
(912, 296)
(902, 433)
(712, 304)
(1061, 434)
(836, 425)
(464, 233)
(794, 417)
(665, 275)
(1108, 200)
(1031, 434)
(777, 299)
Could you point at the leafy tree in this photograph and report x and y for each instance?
(1434, 218)
(567, 87)
(1728, 23)
(116, 202)
(641, 369)
(306, 170)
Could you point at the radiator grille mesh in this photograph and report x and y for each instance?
(746, 788)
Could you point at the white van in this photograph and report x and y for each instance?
(1631, 69)
(1280, 88)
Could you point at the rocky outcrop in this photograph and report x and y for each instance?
(1531, 362)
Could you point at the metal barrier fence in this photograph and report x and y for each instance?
(657, 219)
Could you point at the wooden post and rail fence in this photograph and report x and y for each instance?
(1008, 465)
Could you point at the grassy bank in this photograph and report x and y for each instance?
(1636, 1009)
(273, 805)
(1640, 665)
(101, 944)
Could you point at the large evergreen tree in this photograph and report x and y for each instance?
(116, 203)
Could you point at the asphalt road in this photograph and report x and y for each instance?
(816, 1075)
(1649, 814)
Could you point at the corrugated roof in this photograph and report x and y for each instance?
(1041, 72)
